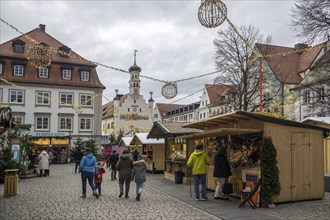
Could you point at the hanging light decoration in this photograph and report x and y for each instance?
(40, 56)
(212, 13)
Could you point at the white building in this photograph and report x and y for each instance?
(128, 113)
(60, 101)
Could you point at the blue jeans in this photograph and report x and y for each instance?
(87, 176)
(139, 188)
(202, 178)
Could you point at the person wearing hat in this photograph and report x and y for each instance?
(198, 161)
(88, 167)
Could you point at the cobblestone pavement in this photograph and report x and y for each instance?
(57, 197)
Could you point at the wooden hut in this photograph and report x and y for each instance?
(299, 149)
(152, 150)
(176, 149)
(125, 142)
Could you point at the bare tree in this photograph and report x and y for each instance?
(310, 20)
(233, 58)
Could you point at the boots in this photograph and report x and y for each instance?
(83, 196)
(95, 194)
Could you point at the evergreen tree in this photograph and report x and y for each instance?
(270, 183)
(91, 143)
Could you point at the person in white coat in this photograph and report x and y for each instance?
(43, 163)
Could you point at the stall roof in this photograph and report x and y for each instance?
(221, 131)
(170, 129)
(143, 139)
(323, 122)
(125, 140)
(242, 115)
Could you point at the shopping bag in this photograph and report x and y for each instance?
(227, 188)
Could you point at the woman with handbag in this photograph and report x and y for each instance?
(221, 172)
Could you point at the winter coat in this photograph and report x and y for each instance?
(125, 166)
(138, 173)
(198, 161)
(113, 160)
(98, 176)
(63, 154)
(43, 160)
(135, 155)
(78, 155)
(221, 167)
(88, 164)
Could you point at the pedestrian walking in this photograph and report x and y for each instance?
(32, 157)
(78, 155)
(124, 167)
(50, 159)
(135, 155)
(198, 161)
(113, 162)
(88, 167)
(43, 163)
(139, 176)
(221, 172)
(98, 177)
(63, 156)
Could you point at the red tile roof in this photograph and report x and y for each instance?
(163, 108)
(7, 53)
(286, 65)
(216, 90)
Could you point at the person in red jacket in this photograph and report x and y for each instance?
(98, 177)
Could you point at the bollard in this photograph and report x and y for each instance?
(11, 179)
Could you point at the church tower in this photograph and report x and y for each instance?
(134, 82)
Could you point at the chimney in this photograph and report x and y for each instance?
(42, 27)
(300, 46)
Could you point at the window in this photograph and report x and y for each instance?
(307, 97)
(1, 95)
(85, 124)
(43, 72)
(43, 98)
(1, 67)
(18, 46)
(42, 123)
(66, 74)
(84, 76)
(16, 96)
(65, 123)
(18, 70)
(66, 98)
(18, 119)
(321, 94)
(108, 125)
(85, 100)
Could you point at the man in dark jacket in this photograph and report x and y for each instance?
(113, 162)
(221, 172)
(77, 158)
(124, 166)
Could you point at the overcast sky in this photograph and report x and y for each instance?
(171, 42)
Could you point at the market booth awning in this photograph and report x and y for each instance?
(221, 132)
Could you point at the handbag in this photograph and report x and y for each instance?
(227, 188)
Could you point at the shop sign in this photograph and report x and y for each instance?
(50, 134)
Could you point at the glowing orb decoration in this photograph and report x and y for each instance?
(40, 56)
(212, 13)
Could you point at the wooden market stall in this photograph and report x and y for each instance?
(125, 141)
(299, 151)
(176, 150)
(153, 151)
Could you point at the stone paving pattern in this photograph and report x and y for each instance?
(57, 197)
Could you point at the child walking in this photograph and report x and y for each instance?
(98, 177)
(139, 176)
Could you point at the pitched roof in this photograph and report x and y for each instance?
(287, 65)
(170, 129)
(143, 139)
(163, 108)
(125, 140)
(107, 110)
(216, 90)
(7, 53)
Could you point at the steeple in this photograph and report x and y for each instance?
(134, 82)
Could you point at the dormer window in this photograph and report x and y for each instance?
(84, 76)
(18, 70)
(43, 73)
(18, 46)
(2, 65)
(64, 51)
(66, 72)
